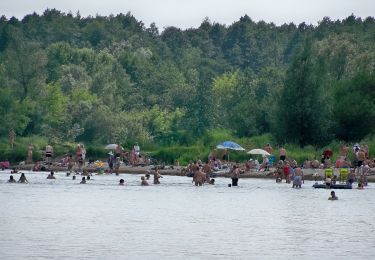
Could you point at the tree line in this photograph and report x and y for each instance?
(112, 79)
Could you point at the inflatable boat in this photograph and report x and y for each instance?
(333, 186)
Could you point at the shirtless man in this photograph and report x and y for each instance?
(157, 176)
(199, 177)
(268, 148)
(235, 175)
(30, 153)
(344, 150)
(282, 153)
(49, 153)
(118, 151)
(207, 170)
(361, 157)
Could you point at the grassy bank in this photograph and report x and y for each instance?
(198, 150)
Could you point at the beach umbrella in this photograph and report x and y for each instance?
(231, 146)
(258, 152)
(110, 146)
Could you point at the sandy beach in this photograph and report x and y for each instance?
(176, 171)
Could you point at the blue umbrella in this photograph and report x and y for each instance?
(230, 145)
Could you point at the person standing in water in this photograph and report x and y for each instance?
(157, 176)
(83, 180)
(199, 177)
(235, 175)
(143, 181)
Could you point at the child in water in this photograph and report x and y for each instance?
(333, 196)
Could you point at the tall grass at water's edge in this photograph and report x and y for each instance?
(184, 154)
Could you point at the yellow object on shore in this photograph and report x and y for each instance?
(344, 172)
(328, 173)
(99, 164)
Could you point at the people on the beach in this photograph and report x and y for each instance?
(23, 179)
(30, 153)
(51, 175)
(333, 196)
(48, 153)
(268, 148)
(117, 165)
(143, 181)
(282, 153)
(70, 163)
(235, 175)
(12, 136)
(286, 171)
(83, 181)
(122, 182)
(118, 151)
(11, 179)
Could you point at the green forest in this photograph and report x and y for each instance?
(66, 79)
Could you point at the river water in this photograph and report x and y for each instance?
(62, 219)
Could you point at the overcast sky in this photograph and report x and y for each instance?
(190, 13)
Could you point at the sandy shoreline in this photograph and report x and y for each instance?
(176, 171)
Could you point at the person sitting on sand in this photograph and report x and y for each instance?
(143, 181)
(122, 182)
(333, 196)
(199, 177)
(23, 179)
(11, 179)
(83, 180)
(51, 175)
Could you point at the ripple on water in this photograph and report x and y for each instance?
(258, 219)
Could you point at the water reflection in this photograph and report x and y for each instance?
(176, 220)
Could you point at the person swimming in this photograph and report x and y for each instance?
(122, 182)
(88, 177)
(51, 175)
(74, 177)
(360, 186)
(11, 179)
(83, 180)
(23, 179)
(143, 181)
(333, 196)
(212, 182)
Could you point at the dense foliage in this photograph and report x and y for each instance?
(112, 79)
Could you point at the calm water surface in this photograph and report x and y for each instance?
(260, 219)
